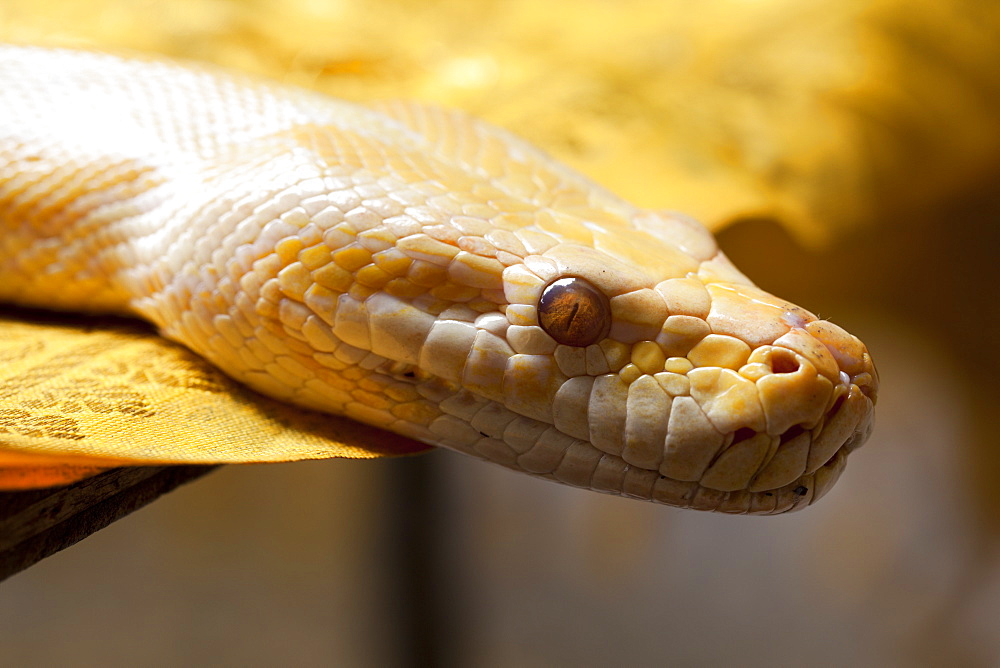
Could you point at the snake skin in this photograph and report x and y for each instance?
(386, 262)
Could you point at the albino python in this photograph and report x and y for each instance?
(421, 271)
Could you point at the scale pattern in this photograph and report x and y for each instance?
(385, 263)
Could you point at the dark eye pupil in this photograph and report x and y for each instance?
(573, 312)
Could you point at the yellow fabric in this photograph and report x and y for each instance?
(112, 389)
(721, 108)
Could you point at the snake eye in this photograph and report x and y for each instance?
(574, 312)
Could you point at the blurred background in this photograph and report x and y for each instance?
(848, 154)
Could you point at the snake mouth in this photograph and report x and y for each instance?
(795, 495)
(612, 475)
(800, 466)
(752, 471)
(805, 465)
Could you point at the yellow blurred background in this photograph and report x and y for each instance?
(848, 152)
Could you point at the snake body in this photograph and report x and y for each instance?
(388, 263)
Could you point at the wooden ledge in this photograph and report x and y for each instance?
(37, 523)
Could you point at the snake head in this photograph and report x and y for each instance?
(658, 371)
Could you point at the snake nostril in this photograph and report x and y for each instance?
(783, 361)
